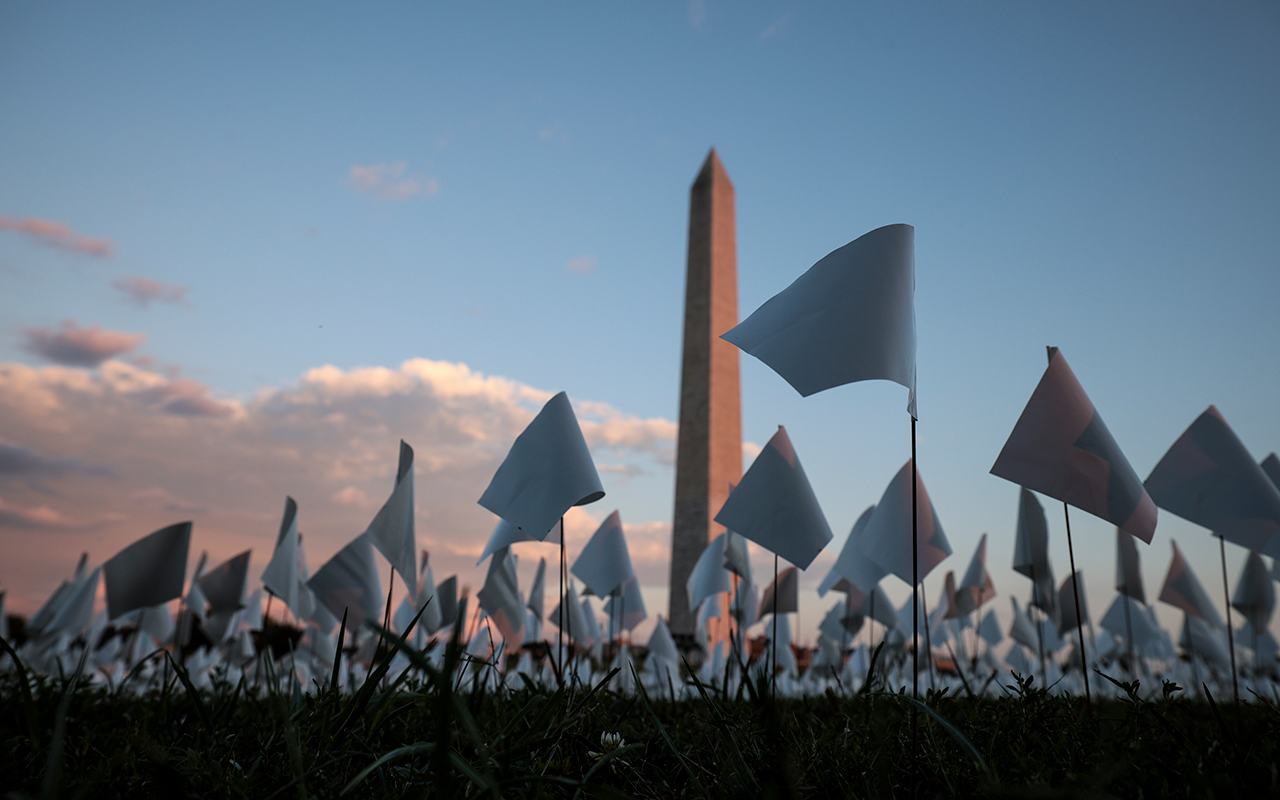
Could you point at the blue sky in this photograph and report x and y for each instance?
(506, 187)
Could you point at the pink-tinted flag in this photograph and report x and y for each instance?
(851, 565)
(976, 587)
(850, 317)
(1183, 590)
(1255, 595)
(224, 585)
(1129, 568)
(148, 572)
(887, 538)
(775, 507)
(1031, 551)
(1061, 447)
(1209, 478)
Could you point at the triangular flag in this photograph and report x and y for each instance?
(662, 644)
(1183, 590)
(500, 596)
(708, 577)
(447, 599)
(1209, 478)
(431, 619)
(1031, 550)
(605, 562)
(975, 587)
(547, 472)
(626, 604)
(1255, 597)
(851, 564)
(76, 613)
(1067, 604)
(392, 530)
(1061, 447)
(786, 589)
(1129, 567)
(1271, 467)
(148, 572)
(887, 537)
(538, 592)
(224, 585)
(989, 629)
(774, 505)
(737, 559)
(850, 317)
(349, 583)
(1021, 630)
(281, 575)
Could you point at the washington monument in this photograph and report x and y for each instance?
(709, 447)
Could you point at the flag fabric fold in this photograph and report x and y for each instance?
(1182, 589)
(887, 537)
(605, 561)
(281, 575)
(1209, 478)
(1129, 567)
(392, 530)
(349, 583)
(547, 471)
(850, 317)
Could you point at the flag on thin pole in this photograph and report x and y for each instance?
(1209, 478)
(281, 575)
(851, 565)
(547, 471)
(886, 539)
(1061, 447)
(850, 317)
(392, 530)
(1183, 590)
(775, 507)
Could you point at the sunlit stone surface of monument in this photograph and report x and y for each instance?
(709, 448)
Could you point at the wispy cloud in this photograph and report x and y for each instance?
(79, 347)
(56, 234)
(697, 13)
(776, 28)
(389, 181)
(34, 467)
(143, 291)
(581, 266)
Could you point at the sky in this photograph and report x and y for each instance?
(244, 251)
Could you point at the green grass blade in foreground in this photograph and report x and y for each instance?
(662, 729)
(721, 721)
(53, 770)
(192, 693)
(955, 734)
(407, 750)
(24, 692)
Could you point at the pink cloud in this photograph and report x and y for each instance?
(56, 234)
(581, 266)
(79, 347)
(186, 398)
(143, 291)
(389, 182)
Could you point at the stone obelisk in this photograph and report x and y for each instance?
(709, 448)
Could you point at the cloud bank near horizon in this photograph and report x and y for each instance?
(161, 448)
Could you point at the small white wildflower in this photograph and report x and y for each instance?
(608, 743)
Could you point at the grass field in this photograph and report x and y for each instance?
(422, 734)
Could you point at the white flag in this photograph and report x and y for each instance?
(775, 507)
(547, 472)
(392, 530)
(850, 317)
(148, 572)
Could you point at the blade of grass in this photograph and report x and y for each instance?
(24, 690)
(399, 752)
(959, 737)
(196, 700)
(53, 768)
(662, 729)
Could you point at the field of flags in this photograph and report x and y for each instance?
(849, 318)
